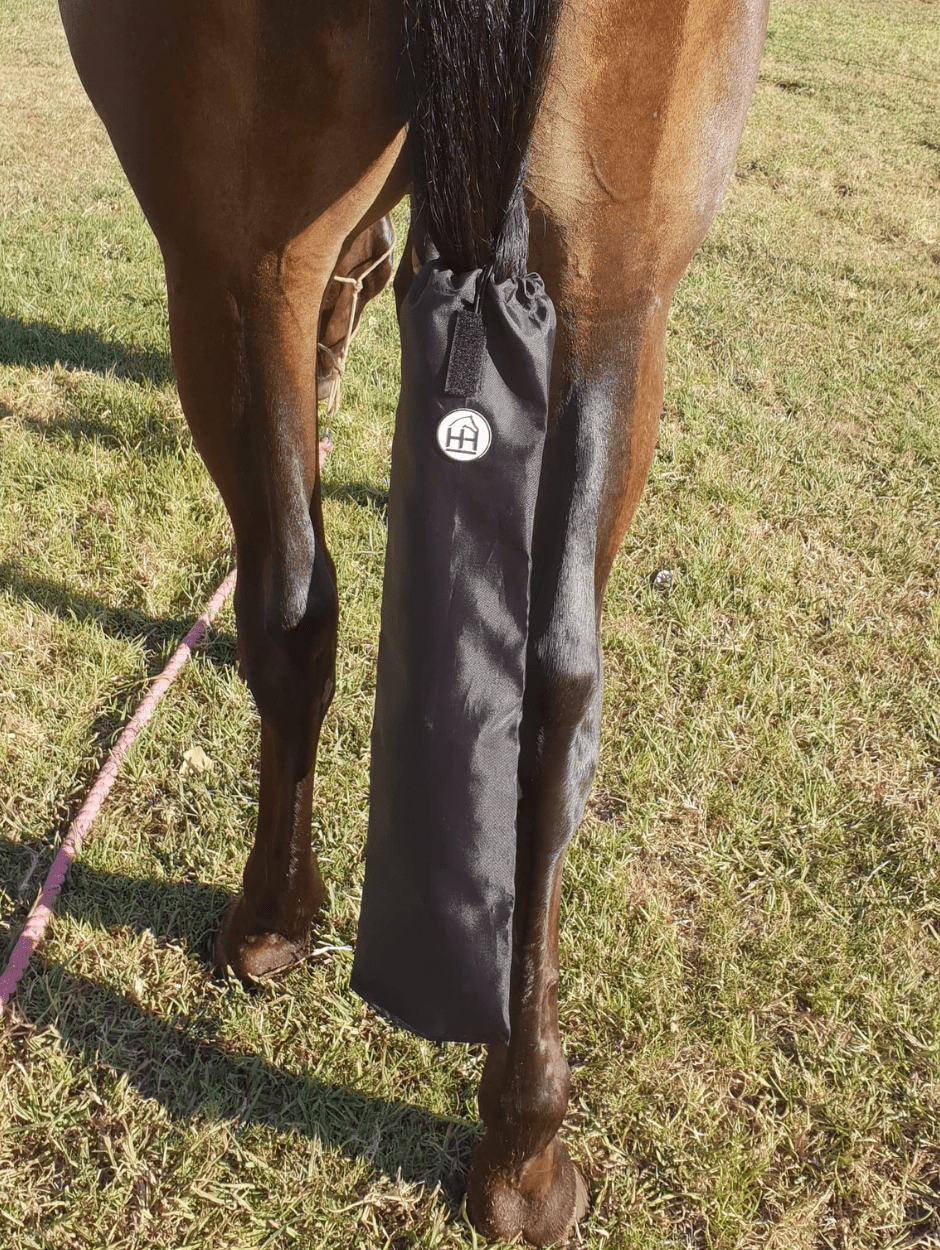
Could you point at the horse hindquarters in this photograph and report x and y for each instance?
(252, 199)
(632, 151)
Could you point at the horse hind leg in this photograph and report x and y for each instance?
(216, 112)
(522, 1180)
(286, 601)
(628, 181)
(245, 364)
(607, 398)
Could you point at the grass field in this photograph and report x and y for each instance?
(750, 991)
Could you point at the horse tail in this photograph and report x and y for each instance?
(477, 74)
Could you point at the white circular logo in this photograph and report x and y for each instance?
(464, 435)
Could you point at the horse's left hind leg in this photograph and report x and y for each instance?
(244, 350)
(286, 600)
(260, 139)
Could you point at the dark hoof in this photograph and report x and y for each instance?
(252, 956)
(542, 1200)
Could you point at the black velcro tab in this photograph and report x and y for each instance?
(467, 353)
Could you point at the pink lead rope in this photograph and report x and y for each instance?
(72, 842)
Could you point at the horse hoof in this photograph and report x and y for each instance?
(253, 956)
(542, 1201)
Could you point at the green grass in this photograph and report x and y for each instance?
(751, 928)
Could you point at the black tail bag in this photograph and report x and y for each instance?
(435, 929)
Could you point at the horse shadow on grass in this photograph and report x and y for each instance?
(23, 864)
(178, 1063)
(155, 633)
(361, 493)
(36, 343)
(185, 913)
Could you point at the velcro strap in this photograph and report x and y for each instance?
(467, 353)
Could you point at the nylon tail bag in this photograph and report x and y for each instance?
(435, 927)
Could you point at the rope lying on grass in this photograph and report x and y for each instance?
(72, 842)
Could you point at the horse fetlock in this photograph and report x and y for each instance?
(521, 1179)
(526, 1084)
(540, 1198)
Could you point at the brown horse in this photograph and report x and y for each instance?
(265, 141)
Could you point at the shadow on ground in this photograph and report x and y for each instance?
(23, 865)
(361, 493)
(39, 345)
(186, 913)
(180, 1063)
(155, 633)
(29, 343)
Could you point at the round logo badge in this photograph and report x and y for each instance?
(464, 435)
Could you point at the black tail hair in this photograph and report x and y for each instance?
(478, 71)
